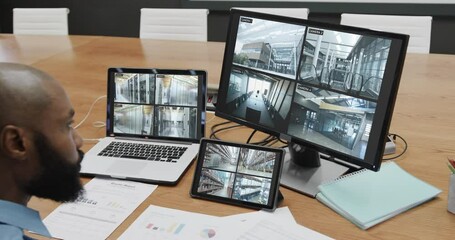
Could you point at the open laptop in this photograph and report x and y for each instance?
(155, 119)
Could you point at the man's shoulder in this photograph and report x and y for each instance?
(14, 218)
(10, 232)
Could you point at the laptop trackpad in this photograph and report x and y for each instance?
(128, 168)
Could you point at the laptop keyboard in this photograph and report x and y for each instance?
(142, 151)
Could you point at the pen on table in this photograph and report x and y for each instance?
(451, 165)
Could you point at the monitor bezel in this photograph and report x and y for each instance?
(387, 97)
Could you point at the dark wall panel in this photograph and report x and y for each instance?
(91, 17)
(111, 17)
(218, 22)
(122, 17)
(443, 35)
(334, 7)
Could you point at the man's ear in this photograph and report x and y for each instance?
(13, 142)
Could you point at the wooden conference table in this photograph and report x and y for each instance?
(424, 115)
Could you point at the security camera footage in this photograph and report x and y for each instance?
(156, 105)
(315, 84)
(237, 173)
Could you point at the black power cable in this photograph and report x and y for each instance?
(394, 137)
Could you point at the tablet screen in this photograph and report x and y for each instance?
(241, 174)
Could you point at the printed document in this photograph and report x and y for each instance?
(171, 224)
(95, 215)
(282, 214)
(267, 229)
(280, 224)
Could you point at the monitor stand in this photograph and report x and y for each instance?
(304, 170)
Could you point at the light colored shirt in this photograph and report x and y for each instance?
(15, 218)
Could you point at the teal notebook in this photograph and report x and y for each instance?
(367, 198)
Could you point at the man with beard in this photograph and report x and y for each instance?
(39, 149)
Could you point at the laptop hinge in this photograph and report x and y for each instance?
(152, 140)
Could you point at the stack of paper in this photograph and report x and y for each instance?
(164, 223)
(367, 198)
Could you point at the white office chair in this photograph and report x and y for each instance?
(417, 27)
(301, 13)
(174, 24)
(40, 21)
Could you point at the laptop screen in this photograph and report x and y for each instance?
(156, 103)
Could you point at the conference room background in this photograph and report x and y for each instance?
(122, 17)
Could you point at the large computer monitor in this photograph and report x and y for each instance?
(329, 90)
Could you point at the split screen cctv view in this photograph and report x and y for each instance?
(237, 173)
(318, 85)
(156, 104)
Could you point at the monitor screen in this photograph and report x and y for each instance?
(156, 103)
(331, 88)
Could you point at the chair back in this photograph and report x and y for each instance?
(40, 21)
(417, 27)
(174, 24)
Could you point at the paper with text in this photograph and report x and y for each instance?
(282, 214)
(171, 224)
(95, 215)
(267, 229)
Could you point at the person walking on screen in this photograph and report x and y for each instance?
(39, 149)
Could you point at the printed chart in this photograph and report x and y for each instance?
(95, 215)
(170, 224)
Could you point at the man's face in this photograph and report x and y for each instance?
(58, 178)
(56, 151)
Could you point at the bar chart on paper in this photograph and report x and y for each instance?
(170, 224)
(174, 228)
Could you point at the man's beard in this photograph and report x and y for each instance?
(57, 179)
